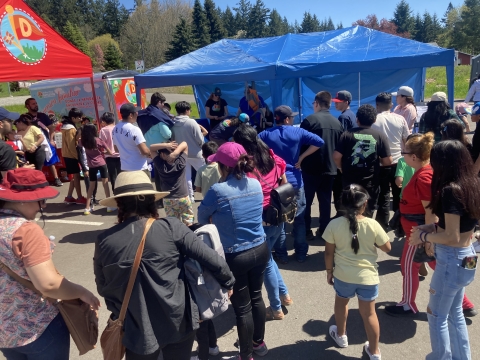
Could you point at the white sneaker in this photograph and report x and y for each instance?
(476, 246)
(372, 356)
(341, 341)
(194, 358)
(212, 351)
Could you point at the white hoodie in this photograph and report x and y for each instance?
(474, 92)
(188, 130)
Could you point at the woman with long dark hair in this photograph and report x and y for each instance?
(438, 111)
(161, 316)
(32, 139)
(453, 130)
(456, 201)
(234, 205)
(270, 171)
(224, 131)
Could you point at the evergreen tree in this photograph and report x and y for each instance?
(217, 32)
(445, 16)
(330, 25)
(242, 12)
(115, 16)
(290, 27)
(257, 20)
(436, 27)
(427, 28)
(229, 22)
(403, 18)
(182, 42)
(309, 23)
(465, 35)
(200, 27)
(276, 25)
(418, 28)
(113, 58)
(340, 26)
(73, 34)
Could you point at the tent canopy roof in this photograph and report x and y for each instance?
(349, 50)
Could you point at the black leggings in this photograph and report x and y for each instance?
(206, 338)
(179, 351)
(37, 158)
(114, 168)
(248, 267)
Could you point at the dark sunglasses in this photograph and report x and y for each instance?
(406, 153)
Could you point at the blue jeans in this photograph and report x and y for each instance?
(53, 344)
(448, 331)
(299, 231)
(273, 279)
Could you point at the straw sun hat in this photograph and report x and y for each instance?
(132, 183)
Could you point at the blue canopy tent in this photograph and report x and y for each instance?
(292, 68)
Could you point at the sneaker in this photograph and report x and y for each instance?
(81, 201)
(470, 312)
(194, 358)
(86, 212)
(476, 245)
(274, 314)
(286, 300)
(398, 311)
(235, 357)
(309, 235)
(301, 258)
(214, 351)
(95, 201)
(280, 259)
(372, 356)
(70, 200)
(57, 182)
(111, 209)
(341, 341)
(261, 349)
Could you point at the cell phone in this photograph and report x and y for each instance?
(470, 262)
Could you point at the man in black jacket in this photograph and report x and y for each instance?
(319, 170)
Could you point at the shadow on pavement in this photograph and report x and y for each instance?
(312, 349)
(389, 266)
(84, 237)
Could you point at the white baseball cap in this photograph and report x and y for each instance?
(404, 90)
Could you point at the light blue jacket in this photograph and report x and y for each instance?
(236, 208)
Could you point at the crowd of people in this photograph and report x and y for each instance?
(425, 166)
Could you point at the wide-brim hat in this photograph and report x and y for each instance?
(26, 185)
(132, 183)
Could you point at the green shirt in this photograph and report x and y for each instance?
(404, 171)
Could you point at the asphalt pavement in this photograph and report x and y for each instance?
(303, 334)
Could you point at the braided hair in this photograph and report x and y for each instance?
(354, 198)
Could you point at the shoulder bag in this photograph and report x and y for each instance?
(80, 318)
(111, 339)
(283, 204)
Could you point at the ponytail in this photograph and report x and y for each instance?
(245, 164)
(354, 198)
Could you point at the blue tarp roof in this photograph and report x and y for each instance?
(354, 49)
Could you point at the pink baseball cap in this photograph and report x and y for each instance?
(228, 154)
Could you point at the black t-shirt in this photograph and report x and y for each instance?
(451, 205)
(476, 143)
(217, 108)
(8, 158)
(173, 176)
(348, 119)
(45, 121)
(361, 149)
(325, 125)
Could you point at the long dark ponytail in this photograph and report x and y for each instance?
(354, 198)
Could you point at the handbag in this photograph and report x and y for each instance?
(111, 339)
(421, 255)
(283, 204)
(80, 318)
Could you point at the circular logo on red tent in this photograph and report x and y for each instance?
(22, 36)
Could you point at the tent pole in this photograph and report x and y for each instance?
(94, 94)
(359, 96)
(450, 69)
(300, 99)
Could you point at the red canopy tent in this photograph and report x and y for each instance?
(32, 49)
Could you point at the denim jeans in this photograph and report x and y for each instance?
(321, 185)
(273, 279)
(178, 351)
(53, 344)
(299, 231)
(448, 330)
(248, 267)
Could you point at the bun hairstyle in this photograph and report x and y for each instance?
(421, 146)
(244, 165)
(354, 198)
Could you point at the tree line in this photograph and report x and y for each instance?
(162, 30)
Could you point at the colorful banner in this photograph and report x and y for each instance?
(124, 92)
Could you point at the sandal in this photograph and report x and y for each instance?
(286, 300)
(273, 314)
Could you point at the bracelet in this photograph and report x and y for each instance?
(422, 236)
(329, 271)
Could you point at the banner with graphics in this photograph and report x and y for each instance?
(31, 50)
(124, 92)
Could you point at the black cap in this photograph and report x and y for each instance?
(127, 109)
(282, 112)
(343, 95)
(217, 91)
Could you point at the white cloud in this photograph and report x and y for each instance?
(87, 87)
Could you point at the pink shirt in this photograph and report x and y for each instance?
(271, 178)
(409, 112)
(95, 157)
(106, 135)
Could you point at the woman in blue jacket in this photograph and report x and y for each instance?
(235, 207)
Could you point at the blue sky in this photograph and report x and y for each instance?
(346, 11)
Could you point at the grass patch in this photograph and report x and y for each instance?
(19, 108)
(193, 114)
(436, 80)
(4, 91)
(185, 90)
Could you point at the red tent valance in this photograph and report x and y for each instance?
(31, 50)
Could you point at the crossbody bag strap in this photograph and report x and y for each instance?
(28, 284)
(257, 174)
(133, 274)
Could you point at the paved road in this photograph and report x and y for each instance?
(302, 334)
(14, 100)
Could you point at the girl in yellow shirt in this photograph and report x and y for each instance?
(32, 138)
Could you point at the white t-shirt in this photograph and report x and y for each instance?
(395, 127)
(127, 137)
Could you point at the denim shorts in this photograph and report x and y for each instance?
(348, 291)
